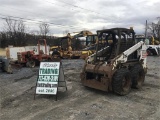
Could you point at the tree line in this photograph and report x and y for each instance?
(15, 33)
(153, 29)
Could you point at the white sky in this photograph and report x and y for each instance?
(77, 15)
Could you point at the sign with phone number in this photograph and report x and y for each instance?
(47, 82)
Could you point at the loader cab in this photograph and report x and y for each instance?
(91, 40)
(65, 42)
(113, 42)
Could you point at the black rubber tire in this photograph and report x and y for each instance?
(31, 64)
(75, 57)
(138, 76)
(28, 54)
(121, 82)
(149, 53)
(56, 54)
(3, 67)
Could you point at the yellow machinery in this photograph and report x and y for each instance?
(152, 41)
(153, 46)
(90, 46)
(65, 49)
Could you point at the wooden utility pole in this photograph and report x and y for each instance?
(158, 28)
(146, 29)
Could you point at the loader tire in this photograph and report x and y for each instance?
(3, 67)
(31, 64)
(121, 82)
(138, 76)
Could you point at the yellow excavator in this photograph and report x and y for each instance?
(90, 45)
(65, 49)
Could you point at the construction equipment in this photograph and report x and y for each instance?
(82, 34)
(30, 59)
(5, 65)
(116, 65)
(88, 51)
(153, 46)
(65, 49)
(91, 40)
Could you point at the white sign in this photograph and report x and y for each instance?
(47, 82)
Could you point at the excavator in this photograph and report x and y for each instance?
(65, 49)
(90, 46)
(118, 63)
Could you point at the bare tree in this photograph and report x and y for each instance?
(65, 32)
(155, 28)
(15, 31)
(44, 29)
(103, 27)
(3, 39)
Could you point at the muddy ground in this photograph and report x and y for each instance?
(78, 103)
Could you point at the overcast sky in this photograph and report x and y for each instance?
(77, 15)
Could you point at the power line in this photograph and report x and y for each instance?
(42, 14)
(59, 25)
(38, 23)
(74, 6)
(25, 11)
(88, 10)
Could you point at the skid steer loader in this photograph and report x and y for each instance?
(118, 65)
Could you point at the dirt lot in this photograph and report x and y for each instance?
(78, 103)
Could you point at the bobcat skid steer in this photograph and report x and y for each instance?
(118, 65)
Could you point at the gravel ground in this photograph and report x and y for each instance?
(78, 103)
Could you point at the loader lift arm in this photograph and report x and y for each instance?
(124, 56)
